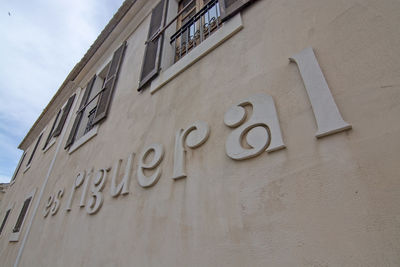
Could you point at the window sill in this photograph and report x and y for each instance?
(89, 135)
(27, 168)
(228, 29)
(50, 144)
(14, 237)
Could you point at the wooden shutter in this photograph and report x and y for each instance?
(64, 116)
(110, 82)
(51, 131)
(34, 149)
(4, 221)
(229, 8)
(18, 166)
(21, 216)
(85, 98)
(152, 53)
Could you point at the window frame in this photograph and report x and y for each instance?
(38, 140)
(5, 220)
(21, 160)
(78, 142)
(14, 237)
(55, 124)
(171, 69)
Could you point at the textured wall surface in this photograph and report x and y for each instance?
(332, 201)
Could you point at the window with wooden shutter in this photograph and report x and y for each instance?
(109, 85)
(152, 54)
(4, 221)
(34, 149)
(229, 8)
(18, 167)
(22, 215)
(97, 98)
(52, 130)
(79, 114)
(65, 112)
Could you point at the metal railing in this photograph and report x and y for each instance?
(198, 28)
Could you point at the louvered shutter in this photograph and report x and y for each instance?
(4, 221)
(86, 95)
(152, 53)
(229, 8)
(109, 85)
(34, 149)
(64, 116)
(51, 131)
(18, 166)
(21, 216)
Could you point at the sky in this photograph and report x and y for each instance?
(41, 41)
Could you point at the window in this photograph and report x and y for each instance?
(96, 101)
(58, 123)
(4, 221)
(34, 150)
(21, 217)
(179, 27)
(198, 19)
(18, 167)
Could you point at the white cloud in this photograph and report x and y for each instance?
(41, 42)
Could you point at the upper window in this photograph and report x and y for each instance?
(197, 20)
(96, 99)
(177, 28)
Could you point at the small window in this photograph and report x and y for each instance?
(14, 237)
(21, 216)
(50, 137)
(18, 167)
(34, 150)
(4, 221)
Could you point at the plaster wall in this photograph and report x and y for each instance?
(320, 202)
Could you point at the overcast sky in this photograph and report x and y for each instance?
(41, 41)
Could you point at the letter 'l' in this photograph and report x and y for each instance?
(326, 113)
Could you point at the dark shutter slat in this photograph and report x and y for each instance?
(152, 53)
(109, 85)
(18, 167)
(116, 61)
(229, 8)
(64, 116)
(86, 95)
(34, 149)
(51, 131)
(4, 221)
(21, 216)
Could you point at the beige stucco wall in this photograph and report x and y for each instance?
(320, 202)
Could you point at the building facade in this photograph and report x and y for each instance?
(218, 133)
